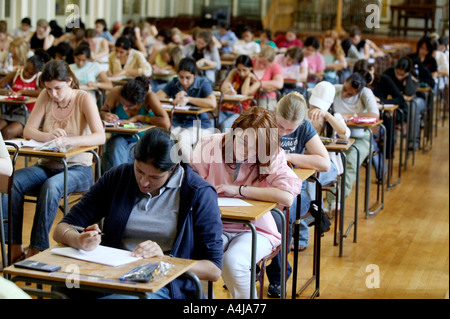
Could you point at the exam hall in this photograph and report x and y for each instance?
(384, 231)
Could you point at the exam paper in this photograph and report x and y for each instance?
(232, 202)
(25, 143)
(169, 107)
(101, 255)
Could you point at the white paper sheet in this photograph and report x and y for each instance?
(232, 202)
(169, 107)
(25, 143)
(101, 255)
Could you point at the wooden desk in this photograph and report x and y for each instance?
(245, 215)
(128, 131)
(99, 277)
(379, 204)
(405, 11)
(28, 151)
(15, 103)
(172, 109)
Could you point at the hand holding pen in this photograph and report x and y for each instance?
(90, 237)
(10, 90)
(109, 116)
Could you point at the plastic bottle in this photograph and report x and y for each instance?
(8, 67)
(416, 69)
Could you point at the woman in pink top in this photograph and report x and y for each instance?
(316, 62)
(237, 165)
(270, 75)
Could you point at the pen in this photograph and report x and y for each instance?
(82, 229)
(107, 106)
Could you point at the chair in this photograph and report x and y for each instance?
(31, 198)
(6, 184)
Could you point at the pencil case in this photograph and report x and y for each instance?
(147, 272)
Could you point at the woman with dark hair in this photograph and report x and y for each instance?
(90, 74)
(71, 119)
(424, 62)
(240, 80)
(23, 82)
(404, 80)
(247, 162)
(354, 99)
(265, 38)
(205, 53)
(152, 207)
(189, 89)
(316, 62)
(127, 62)
(134, 103)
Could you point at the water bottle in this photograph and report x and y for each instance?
(8, 67)
(416, 69)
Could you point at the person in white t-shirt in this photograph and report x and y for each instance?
(89, 74)
(246, 45)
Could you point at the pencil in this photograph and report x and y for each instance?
(82, 229)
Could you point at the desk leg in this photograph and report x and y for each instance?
(283, 252)
(317, 244)
(368, 175)
(295, 238)
(380, 203)
(198, 285)
(389, 185)
(98, 165)
(66, 200)
(342, 211)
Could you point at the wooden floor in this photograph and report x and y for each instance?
(408, 241)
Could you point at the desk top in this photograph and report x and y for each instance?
(28, 100)
(183, 111)
(250, 213)
(388, 107)
(364, 125)
(28, 151)
(304, 173)
(97, 275)
(126, 130)
(232, 98)
(333, 146)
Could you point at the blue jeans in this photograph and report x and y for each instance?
(162, 293)
(420, 108)
(226, 120)
(48, 186)
(274, 269)
(119, 149)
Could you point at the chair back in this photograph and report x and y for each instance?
(6, 181)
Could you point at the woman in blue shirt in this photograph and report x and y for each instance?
(189, 89)
(134, 103)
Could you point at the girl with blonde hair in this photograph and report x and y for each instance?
(303, 148)
(333, 55)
